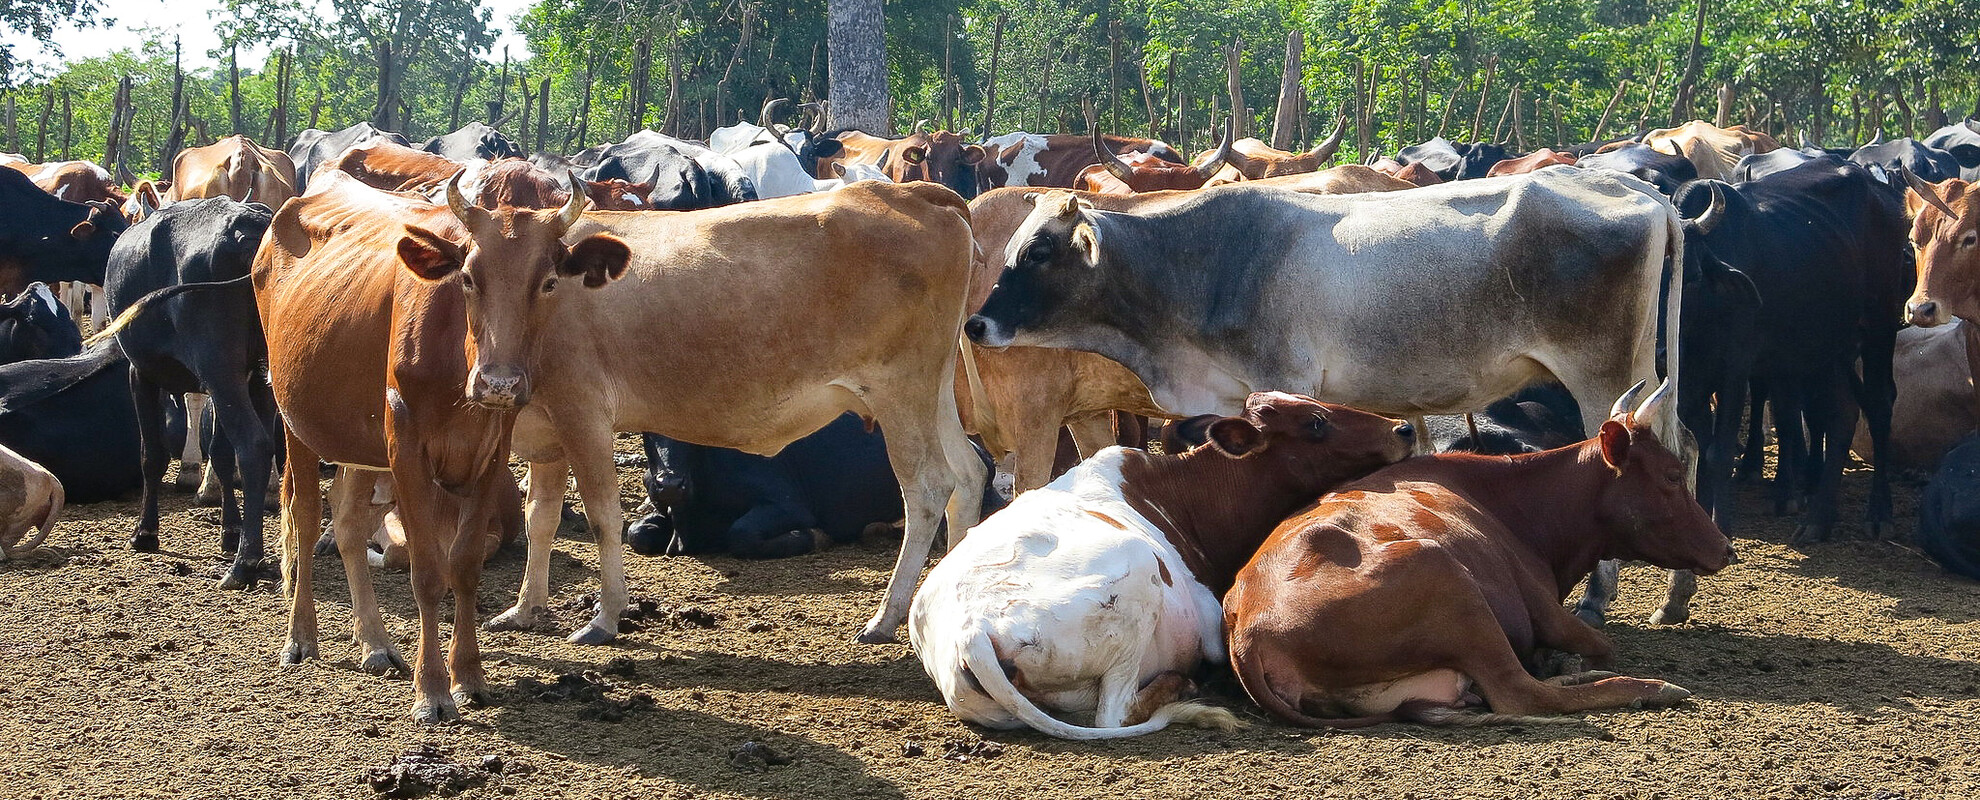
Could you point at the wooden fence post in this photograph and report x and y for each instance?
(1286, 114)
(990, 88)
(1484, 91)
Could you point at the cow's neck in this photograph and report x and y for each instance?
(1215, 510)
(1547, 500)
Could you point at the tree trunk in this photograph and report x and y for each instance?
(1681, 105)
(1234, 83)
(1722, 117)
(990, 88)
(68, 125)
(1484, 92)
(460, 90)
(41, 130)
(234, 89)
(1286, 115)
(577, 136)
(1650, 95)
(542, 114)
(495, 108)
(856, 46)
(13, 125)
(1603, 123)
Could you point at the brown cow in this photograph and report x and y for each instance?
(1410, 593)
(76, 182)
(1530, 162)
(1055, 160)
(384, 164)
(1141, 172)
(1712, 149)
(233, 167)
(1252, 159)
(1945, 233)
(30, 497)
(369, 358)
(936, 157)
(855, 147)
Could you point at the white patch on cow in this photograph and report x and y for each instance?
(47, 172)
(42, 291)
(1023, 166)
(101, 173)
(1071, 583)
(62, 192)
(630, 197)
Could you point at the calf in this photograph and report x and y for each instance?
(30, 498)
(203, 336)
(1409, 594)
(823, 489)
(1099, 593)
(1949, 513)
(33, 325)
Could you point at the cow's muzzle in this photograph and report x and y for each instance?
(987, 332)
(1925, 313)
(499, 388)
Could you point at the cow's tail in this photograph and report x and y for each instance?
(144, 303)
(980, 658)
(1670, 429)
(983, 416)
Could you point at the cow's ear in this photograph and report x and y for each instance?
(1236, 437)
(915, 154)
(1615, 444)
(827, 148)
(601, 258)
(1086, 240)
(972, 154)
(429, 255)
(1068, 205)
(1968, 155)
(84, 229)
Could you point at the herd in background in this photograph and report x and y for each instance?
(335, 302)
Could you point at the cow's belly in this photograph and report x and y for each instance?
(1440, 686)
(1454, 382)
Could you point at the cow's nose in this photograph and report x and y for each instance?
(1406, 431)
(975, 328)
(500, 387)
(1924, 314)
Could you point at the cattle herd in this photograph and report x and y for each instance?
(1411, 403)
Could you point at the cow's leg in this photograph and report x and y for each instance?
(1754, 461)
(99, 308)
(1035, 445)
(354, 514)
(588, 446)
(1092, 432)
(235, 413)
(1508, 689)
(1118, 686)
(1878, 393)
(220, 458)
(1599, 593)
(302, 515)
(1834, 423)
(1677, 599)
(209, 480)
(920, 440)
(477, 513)
(1164, 689)
(1790, 446)
(547, 480)
(150, 403)
(192, 457)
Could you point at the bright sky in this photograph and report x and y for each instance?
(193, 20)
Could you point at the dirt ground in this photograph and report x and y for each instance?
(1847, 670)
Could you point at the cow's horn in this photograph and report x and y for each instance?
(455, 202)
(1325, 150)
(1927, 193)
(1113, 163)
(1803, 135)
(1714, 213)
(1877, 139)
(1628, 399)
(921, 126)
(824, 117)
(1973, 125)
(769, 110)
(1223, 151)
(1654, 404)
(574, 208)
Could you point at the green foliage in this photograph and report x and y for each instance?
(1834, 68)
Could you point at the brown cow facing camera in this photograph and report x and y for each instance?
(1431, 585)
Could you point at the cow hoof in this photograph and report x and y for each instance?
(240, 576)
(874, 634)
(1669, 615)
(384, 662)
(297, 652)
(1594, 617)
(145, 541)
(517, 618)
(230, 540)
(591, 634)
(465, 697)
(205, 498)
(187, 482)
(1668, 695)
(436, 712)
(326, 545)
(1811, 534)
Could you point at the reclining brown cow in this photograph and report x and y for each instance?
(1412, 593)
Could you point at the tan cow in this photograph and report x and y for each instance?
(1935, 404)
(385, 164)
(1714, 150)
(30, 498)
(1251, 159)
(233, 167)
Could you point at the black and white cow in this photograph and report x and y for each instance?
(474, 141)
(188, 322)
(73, 416)
(34, 325)
(685, 175)
(1666, 171)
(45, 238)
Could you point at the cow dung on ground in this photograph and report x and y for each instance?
(1847, 670)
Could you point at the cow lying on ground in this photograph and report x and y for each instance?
(33, 325)
(824, 489)
(1098, 593)
(1949, 513)
(30, 498)
(1539, 417)
(1410, 594)
(1934, 407)
(73, 416)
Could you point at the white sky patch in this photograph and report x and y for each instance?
(196, 23)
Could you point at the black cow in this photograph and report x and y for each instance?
(1930, 163)
(824, 488)
(45, 238)
(1666, 171)
(1949, 513)
(473, 141)
(685, 175)
(33, 325)
(73, 415)
(313, 147)
(1962, 140)
(201, 335)
(1788, 281)
(1586, 149)
(1455, 160)
(1539, 417)
(1754, 166)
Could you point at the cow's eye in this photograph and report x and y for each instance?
(1317, 426)
(1041, 251)
(467, 281)
(1971, 238)
(549, 285)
